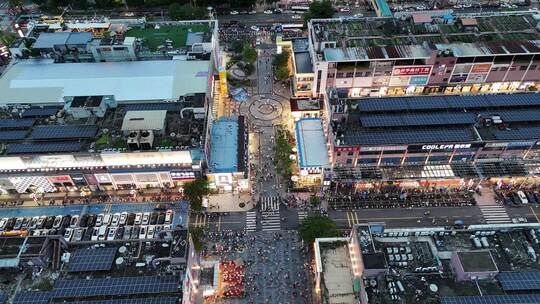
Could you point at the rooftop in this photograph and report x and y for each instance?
(477, 261)
(44, 82)
(387, 38)
(311, 143)
(155, 36)
(144, 120)
(225, 145)
(337, 273)
(436, 119)
(302, 62)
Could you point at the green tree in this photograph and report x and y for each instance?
(135, 3)
(238, 46)
(319, 9)
(195, 191)
(317, 226)
(7, 38)
(249, 54)
(315, 200)
(186, 12)
(13, 4)
(281, 59)
(282, 73)
(196, 236)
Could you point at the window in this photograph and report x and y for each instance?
(532, 67)
(522, 67)
(503, 69)
(331, 75)
(339, 75)
(351, 153)
(494, 69)
(349, 161)
(349, 74)
(445, 79)
(338, 154)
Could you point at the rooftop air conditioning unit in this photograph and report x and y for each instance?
(133, 140)
(146, 140)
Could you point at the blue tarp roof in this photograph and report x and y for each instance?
(384, 8)
(311, 143)
(224, 145)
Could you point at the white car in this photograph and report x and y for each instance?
(74, 222)
(142, 232)
(68, 234)
(107, 219)
(99, 220)
(123, 218)
(168, 216)
(145, 218)
(102, 233)
(268, 12)
(78, 234)
(252, 12)
(234, 13)
(522, 197)
(115, 219)
(95, 234)
(150, 232)
(3, 223)
(138, 218)
(112, 233)
(296, 16)
(57, 221)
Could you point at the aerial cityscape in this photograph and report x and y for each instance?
(269, 152)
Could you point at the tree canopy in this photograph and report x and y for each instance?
(249, 54)
(317, 226)
(319, 9)
(195, 191)
(186, 12)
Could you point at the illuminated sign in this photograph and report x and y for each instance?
(412, 71)
(446, 147)
(481, 68)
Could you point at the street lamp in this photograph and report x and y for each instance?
(210, 14)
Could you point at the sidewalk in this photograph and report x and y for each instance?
(229, 202)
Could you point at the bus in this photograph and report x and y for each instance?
(292, 27)
(299, 9)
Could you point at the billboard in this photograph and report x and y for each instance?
(411, 70)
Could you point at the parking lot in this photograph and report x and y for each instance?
(105, 222)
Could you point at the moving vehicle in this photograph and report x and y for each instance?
(296, 17)
(234, 13)
(268, 12)
(522, 197)
(299, 9)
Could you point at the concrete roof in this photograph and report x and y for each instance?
(311, 143)
(79, 38)
(45, 82)
(49, 40)
(302, 61)
(224, 146)
(144, 120)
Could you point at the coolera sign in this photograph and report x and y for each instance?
(412, 71)
(446, 147)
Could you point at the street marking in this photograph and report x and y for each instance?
(219, 223)
(534, 213)
(356, 217)
(348, 219)
(251, 221)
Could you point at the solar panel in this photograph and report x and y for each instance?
(3, 297)
(40, 112)
(32, 297)
(154, 107)
(13, 135)
(44, 147)
(525, 280)
(521, 132)
(514, 115)
(164, 300)
(6, 124)
(116, 286)
(493, 299)
(404, 136)
(96, 259)
(64, 131)
(417, 119)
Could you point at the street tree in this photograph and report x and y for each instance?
(315, 200)
(317, 226)
(249, 54)
(186, 12)
(319, 9)
(196, 236)
(195, 191)
(14, 4)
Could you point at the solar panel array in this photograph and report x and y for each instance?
(44, 147)
(40, 112)
(13, 134)
(154, 107)
(115, 286)
(96, 259)
(33, 297)
(522, 132)
(164, 300)
(447, 102)
(407, 136)
(64, 131)
(426, 119)
(524, 280)
(493, 299)
(7, 124)
(3, 297)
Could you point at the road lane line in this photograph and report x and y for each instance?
(534, 213)
(348, 219)
(356, 216)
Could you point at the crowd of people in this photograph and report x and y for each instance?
(232, 32)
(232, 276)
(397, 197)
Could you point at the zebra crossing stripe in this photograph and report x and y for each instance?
(251, 221)
(270, 221)
(495, 214)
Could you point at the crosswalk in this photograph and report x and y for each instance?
(302, 215)
(251, 221)
(270, 221)
(352, 219)
(494, 214)
(199, 220)
(4, 5)
(269, 203)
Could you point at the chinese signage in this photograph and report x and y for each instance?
(446, 147)
(418, 80)
(346, 149)
(481, 68)
(412, 71)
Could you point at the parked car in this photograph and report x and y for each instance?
(130, 219)
(107, 219)
(33, 222)
(99, 220)
(95, 234)
(153, 218)
(112, 233)
(41, 222)
(91, 221)
(169, 216)
(68, 234)
(18, 223)
(66, 219)
(138, 218)
(119, 233)
(115, 219)
(3, 223)
(123, 218)
(102, 233)
(135, 232)
(157, 230)
(142, 232)
(161, 218)
(150, 232)
(25, 222)
(88, 234)
(49, 222)
(145, 218)
(127, 233)
(522, 197)
(78, 234)
(74, 221)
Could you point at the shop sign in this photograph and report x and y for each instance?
(91, 180)
(412, 71)
(384, 148)
(481, 68)
(346, 149)
(182, 175)
(496, 145)
(60, 179)
(459, 78)
(418, 80)
(444, 147)
(520, 143)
